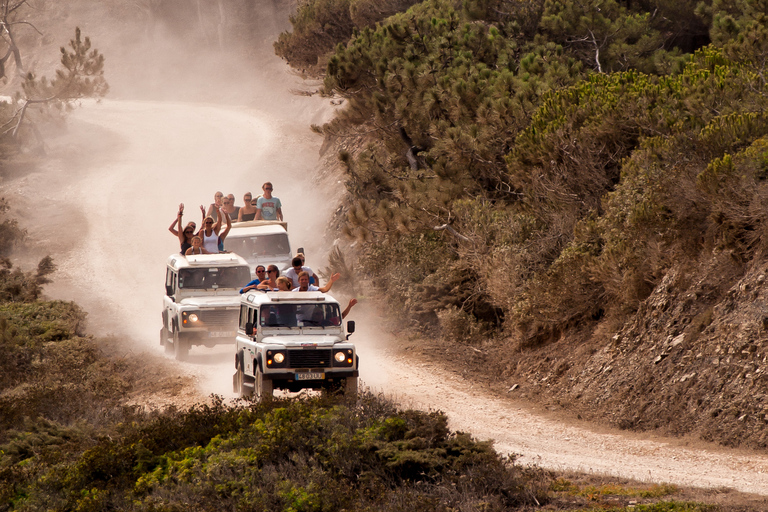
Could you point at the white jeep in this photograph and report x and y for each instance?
(293, 341)
(260, 242)
(202, 301)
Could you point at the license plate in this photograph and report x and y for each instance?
(220, 334)
(310, 376)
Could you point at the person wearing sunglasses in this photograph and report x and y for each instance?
(268, 207)
(248, 210)
(228, 207)
(217, 202)
(213, 237)
(270, 283)
(184, 235)
(261, 275)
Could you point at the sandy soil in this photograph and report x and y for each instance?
(102, 208)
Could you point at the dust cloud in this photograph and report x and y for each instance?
(186, 116)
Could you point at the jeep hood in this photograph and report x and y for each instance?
(213, 301)
(299, 341)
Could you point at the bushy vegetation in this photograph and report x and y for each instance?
(69, 441)
(287, 455)
(523, 167)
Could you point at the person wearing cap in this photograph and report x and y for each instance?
(268, 207)
(297, 266)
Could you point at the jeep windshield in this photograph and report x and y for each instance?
(300, 315)
(258, 245)
(213, 278)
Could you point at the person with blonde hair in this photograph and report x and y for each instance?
(197, 247)
(213, 237)
(283, 284)
(228, 207)
(217, 203)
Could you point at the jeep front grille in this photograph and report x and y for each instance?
(309, 358)
(221, 319)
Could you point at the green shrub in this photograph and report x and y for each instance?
(318, 26)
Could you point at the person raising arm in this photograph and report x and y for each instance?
(304, 285)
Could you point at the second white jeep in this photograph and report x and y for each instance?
(260, 242)
(202, 301)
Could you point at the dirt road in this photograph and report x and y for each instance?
(102, 209)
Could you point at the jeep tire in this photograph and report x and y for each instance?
(242, 384)
(262, 387)
(164, 341)
(180, 346)
(350, 388)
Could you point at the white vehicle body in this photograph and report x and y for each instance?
(293, 341)
(260, 242)
(202, 301)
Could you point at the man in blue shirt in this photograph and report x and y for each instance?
(260, 270)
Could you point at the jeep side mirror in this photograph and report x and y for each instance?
(169, 289)
(301, 250)
(249, 328)
(351, 326)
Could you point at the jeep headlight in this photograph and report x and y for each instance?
(276, 359)
(189, 318)
(343, 357)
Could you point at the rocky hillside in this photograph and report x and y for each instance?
(577, 191)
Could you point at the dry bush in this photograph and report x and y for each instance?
(349, 284)
(457, 325)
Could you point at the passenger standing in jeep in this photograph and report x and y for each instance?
(268, 207)
(184, 235)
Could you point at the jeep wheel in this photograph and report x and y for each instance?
(350, 387)
(262, 387)
(243, 384)
(236, 377)
(180, 347)
(164, 342)
(242, 387)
